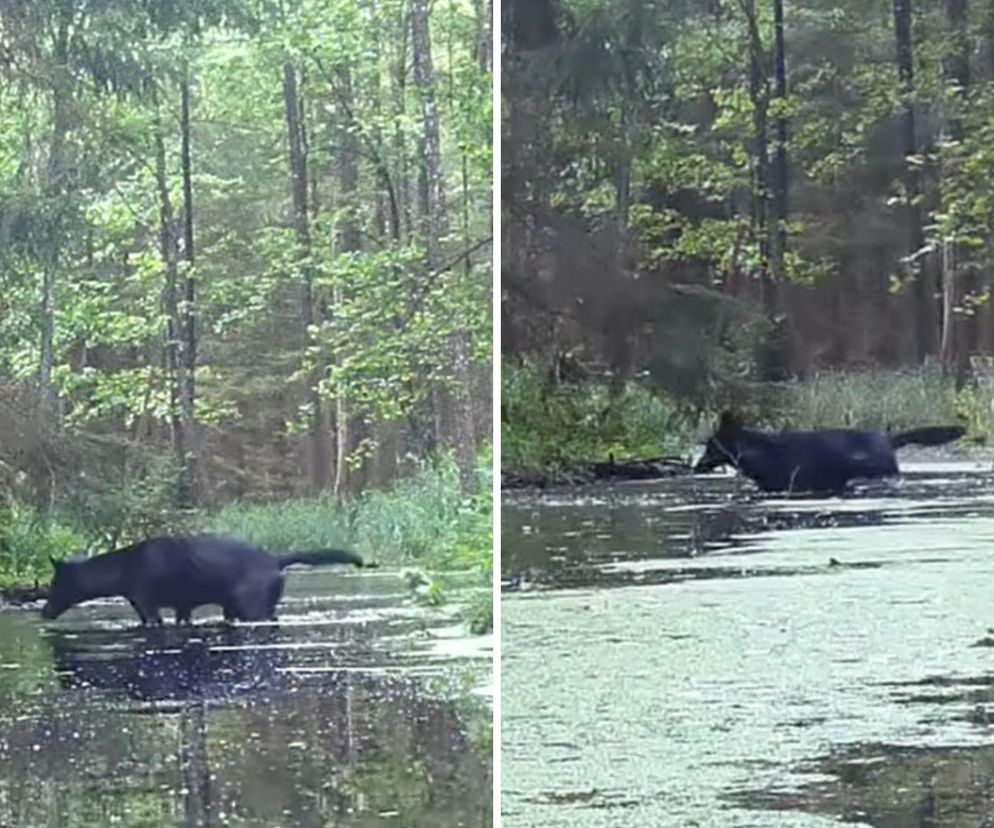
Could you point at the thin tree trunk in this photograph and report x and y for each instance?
(320, 450)
(399, 76)
(169, 251)
(774, 360)
(434, 227)
(350, 241)
(778, 244)
(925, 317)
(483, 13)
(189, 493)
(55, 187)
(949, 293)
(759, 94)
(956, 70)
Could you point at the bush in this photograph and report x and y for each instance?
(481, 613)
(28, 540)
(304, 523)
(547, 425)
(113, 509)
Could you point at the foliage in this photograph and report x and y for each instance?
(573, 424)
(28, 540)
(82, 252)
(109, 511)
(641, 145)
(546, 425)
(481, 613)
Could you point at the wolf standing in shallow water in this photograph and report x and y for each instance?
(182, 574)
(812, 461)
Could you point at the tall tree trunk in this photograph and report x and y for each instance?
(189, 490)
(925, 315)
(319, 444)
(434, 227)
(785, 348)
(774, 359)
(55, 187)
(402, 177)
(169, 252)
(350, 241)
(778, 246)
(956, 71)
(483, 14)
(759, 95)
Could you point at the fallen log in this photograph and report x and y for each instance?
(611, 470)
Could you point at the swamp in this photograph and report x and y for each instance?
(246, 289)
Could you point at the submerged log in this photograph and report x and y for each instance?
(16, 596)
(611, 470)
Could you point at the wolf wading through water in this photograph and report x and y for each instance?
(184, 573)
(824, 460)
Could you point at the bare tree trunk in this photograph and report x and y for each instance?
(169, 251)
(774, 360)
(948, 294)
(778, 244)
(350, 241)
(434, 227)
(55, 187)
(399, 76)
(320, 450)
(483, 13)
(956, 70)
(189, 488)
(925, 317)
(759, 94)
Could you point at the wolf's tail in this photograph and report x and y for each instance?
(928, 436)
(323, 557)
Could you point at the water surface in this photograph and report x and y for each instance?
(355, 709)
(693, 653)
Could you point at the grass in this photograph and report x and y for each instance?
(872, 399)
(882, 400)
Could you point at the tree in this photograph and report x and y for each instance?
(924, 302)
(435, 227)
(223, 336)
(188, 316)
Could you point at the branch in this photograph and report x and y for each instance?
(377, 159)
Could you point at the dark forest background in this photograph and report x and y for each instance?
(721, 201)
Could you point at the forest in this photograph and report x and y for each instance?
(245, 275)
(785, 208)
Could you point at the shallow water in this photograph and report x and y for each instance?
(356, 709)
(690, 653)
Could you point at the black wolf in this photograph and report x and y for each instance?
(183, 573)
(812, 461)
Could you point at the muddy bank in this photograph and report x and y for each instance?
(610, 471)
